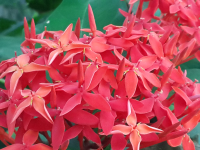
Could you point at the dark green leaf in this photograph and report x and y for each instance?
(8, 46)
(105, 12)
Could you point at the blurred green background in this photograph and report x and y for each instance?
(57, 15)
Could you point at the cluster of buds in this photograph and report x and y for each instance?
(124, 87)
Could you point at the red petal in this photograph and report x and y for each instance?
(174, 8)
(120, 42)
(53, 55)
(40, 124)
(131, 119)
(30, 137)
(135, 139)
(11, 124)
(190, 116)
(14, 80)
(120, 71)
(166, 76)
(91, 20)
(23, 60)
(131, 82)
(72, 132)
(89, 74)
(98, 76)
(34, 67)
(187, 143)
(80, 73)
(118, 142)
(93, 56)
(175, 141)
(192, 123)
(110, 78)
(169, 47)
(147, 61)
(189, 13)
(21, 107)
(58, 132)
(77, 28)
(14, 146)
(121, 129)
(149, 137)
(40, 146)
(91, 135)
(98, 45)
(169, 129)
(45, 42)
(10, 69)
(104, 89)
(39, 106)
(151, 78)
(97, 101)
(71, 103)
(144, 106)
(132, 1)
(43, 91)
(33, 32)
(191, 45)
(156, 45)
(26, 29)
(189, 30)
(182, 94)
(127, 62)
(119, 104)
(84, 117)
(145, 129)
(4, 104)
(65, 37)
(106, 121)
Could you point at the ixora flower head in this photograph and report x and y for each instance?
(113, 88)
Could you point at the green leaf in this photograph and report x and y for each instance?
(43, 5)
(73, 144)
(105, 12)
(194, 63)
(193, 69)
(193, 74)
(5, 24)
(8, 47)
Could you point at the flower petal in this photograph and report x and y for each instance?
(39, 106)
(58, 132)
(118, 142)
(71, 103)
(98, 76)
(121, 129)
(14, 80)
(65, 37)
(91, 135)
(97, 101)
(156, 45)
(145, 129)
(135, 139)
(131, 119)
(92, 20)
(72, 132)
(30, 137)
(40, 146)
(81, 117)
(21, 107)
(107, 121)
(187, 143)
(131, 81)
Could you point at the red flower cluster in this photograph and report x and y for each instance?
(106, 88)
